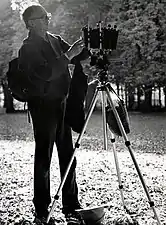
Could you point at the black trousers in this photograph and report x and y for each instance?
(47, 124)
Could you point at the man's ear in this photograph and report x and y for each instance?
(30, 24)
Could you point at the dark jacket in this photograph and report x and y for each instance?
(47, 67)
(47, 63)
(75, 115)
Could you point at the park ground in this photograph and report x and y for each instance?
(96, 171)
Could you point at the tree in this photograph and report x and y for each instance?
(5, 44)
(140, 58)
(11, 36)
(141, 23)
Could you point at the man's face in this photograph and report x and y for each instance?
(39, 24)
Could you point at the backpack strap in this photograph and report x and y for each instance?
(56, 45)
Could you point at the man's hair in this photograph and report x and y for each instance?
(32, 12)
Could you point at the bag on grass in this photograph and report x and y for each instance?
(122, 112)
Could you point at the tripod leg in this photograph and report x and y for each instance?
(104, 120)
(118, 171)
(77, 145)
(127, 143)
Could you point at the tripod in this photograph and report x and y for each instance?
(105, 87)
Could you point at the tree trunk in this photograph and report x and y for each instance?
(130, 97)
(139, 97)
(8, 99)
(164, 89)
(117, 86)
(160, 104)
(147, 104)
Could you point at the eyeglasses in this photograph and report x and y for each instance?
(44, 17)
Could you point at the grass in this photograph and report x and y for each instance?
(96, 171)
(147, 130)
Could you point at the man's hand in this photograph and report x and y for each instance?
(75, 49)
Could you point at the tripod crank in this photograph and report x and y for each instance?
(128, 145)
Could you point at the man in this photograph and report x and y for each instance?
(47, 57)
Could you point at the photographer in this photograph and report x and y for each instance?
(46, 57)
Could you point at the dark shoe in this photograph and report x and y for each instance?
(73, 218)
(71, 207)
(43, 220)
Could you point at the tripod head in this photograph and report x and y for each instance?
(100, 60)
(103, 76)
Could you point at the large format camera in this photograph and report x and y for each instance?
(100, 41)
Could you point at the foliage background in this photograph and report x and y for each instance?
(141, 45)
(140, 57)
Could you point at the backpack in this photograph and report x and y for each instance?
(24, 85)
(18, 82)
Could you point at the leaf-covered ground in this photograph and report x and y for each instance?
(96, 171)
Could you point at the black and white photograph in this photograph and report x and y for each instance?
(82, 112)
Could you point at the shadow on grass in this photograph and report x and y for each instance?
(147, 130)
